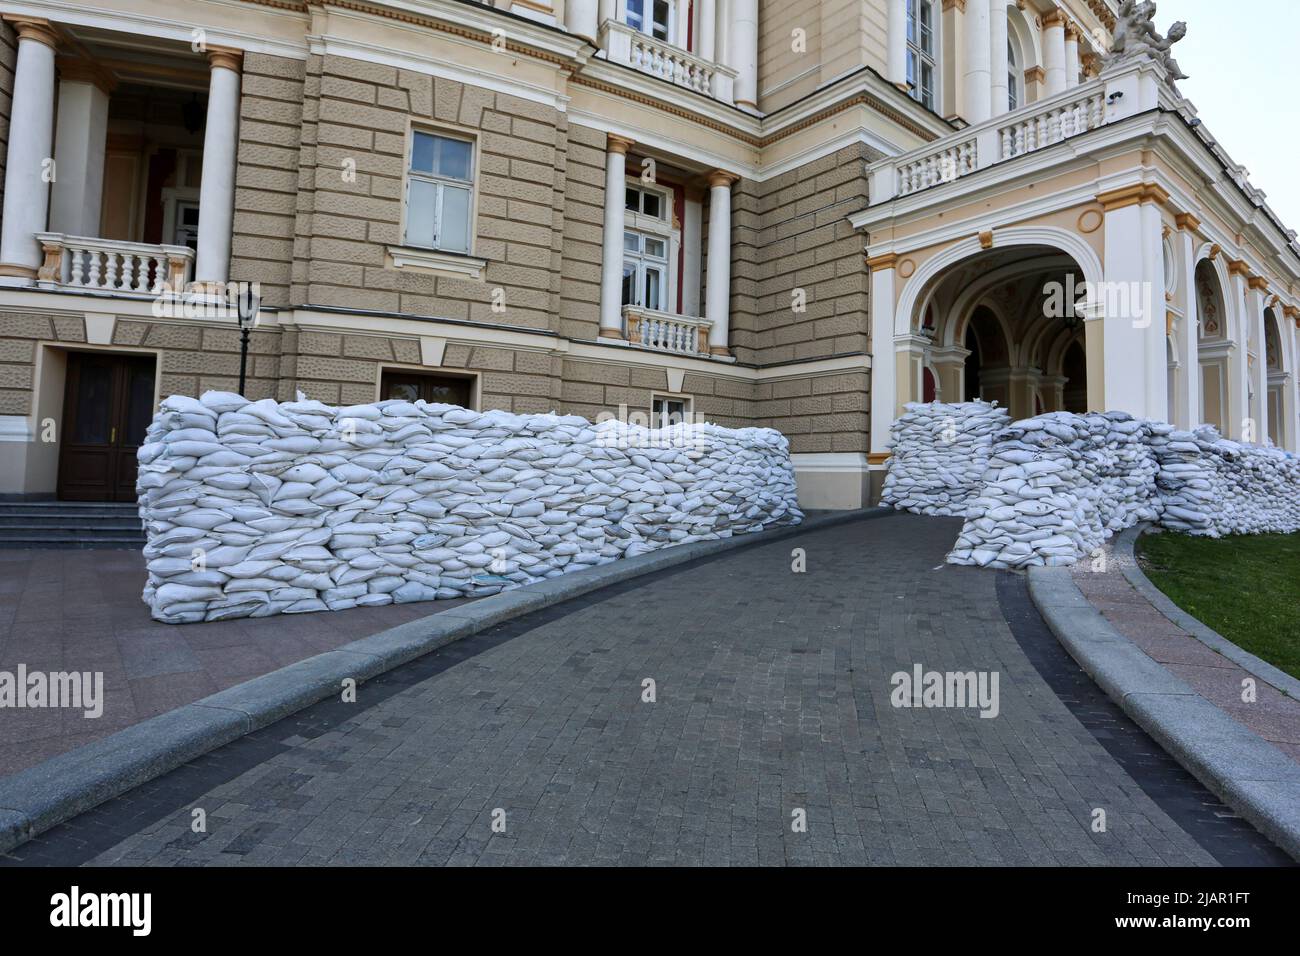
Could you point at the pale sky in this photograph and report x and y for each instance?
(1241, 59)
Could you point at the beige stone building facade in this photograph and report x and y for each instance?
(796, 215)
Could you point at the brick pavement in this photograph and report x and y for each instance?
(772, 696)
(81, 610)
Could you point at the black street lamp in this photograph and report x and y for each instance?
(247, 304)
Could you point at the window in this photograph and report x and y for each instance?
(645, 271)
(922, 74)
(414, 386)
(439, 192)
(666, 411)
(1014, 77)
(652, 17)
(644, 201)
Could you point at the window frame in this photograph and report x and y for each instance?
(441, 183)
(1015, 75)
(395, 370)
(918, 57)
(660, 228)
(687, 402)
(647, 14)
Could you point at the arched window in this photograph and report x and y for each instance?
(1015, 76)
(922, 52)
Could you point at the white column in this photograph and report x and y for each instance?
(1054, 52)
(217, 191)
(743, 47)
(1155, 313)
(1132, 312)
(31, 129)
(883, 367)
(79, 152)
(692, 236)
(1187, 389)
(605, 10)
(977, 100)
(580, 18)
(1071, 57)
(896, 38)
(611, 264)
(717, 282)
(998, 64)
(706, 21)
(1259, 359)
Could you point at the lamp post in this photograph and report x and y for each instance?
(247, 304)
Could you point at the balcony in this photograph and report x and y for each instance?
(666, 332)
(1116, 95)
(111, 266)
(659, 58)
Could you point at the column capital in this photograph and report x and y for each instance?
(226, 58)
(1071, 33)
(1258, 283)
(1133, 195)
(34, 28)
(884, 261)
(960, 5)
(1187, 222)
(720, 177)
(1239, 267)
(618, 144)
(1054, 19)
(76, 69)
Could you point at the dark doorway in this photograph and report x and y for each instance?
(107, 405)
(413, 386)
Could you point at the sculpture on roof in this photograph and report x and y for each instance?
(1135, 35)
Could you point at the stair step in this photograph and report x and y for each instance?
(18, 543)
(90, 523)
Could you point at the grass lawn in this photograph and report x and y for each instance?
(1246, 587)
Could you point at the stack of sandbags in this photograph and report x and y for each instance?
(1213, 486)
(1057, 486)
(260, 508)
(939, 455)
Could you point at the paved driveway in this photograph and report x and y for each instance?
(772, 704)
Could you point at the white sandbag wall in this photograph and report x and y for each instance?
(1058, 486)
(259, 508)
(1212, 486)
(940, 453)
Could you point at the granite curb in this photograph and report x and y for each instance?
(1240, 768)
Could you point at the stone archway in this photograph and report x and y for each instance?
(1214, 346)
(1281, 393)
(1000, 325)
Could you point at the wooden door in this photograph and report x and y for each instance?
(107, 405)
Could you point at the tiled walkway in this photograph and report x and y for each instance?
(81, 610)
(1273, 715)
(772, 705)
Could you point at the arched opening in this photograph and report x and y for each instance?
(1213, 346)
(1278, 411)
(1004, 326)
(1074, 366)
